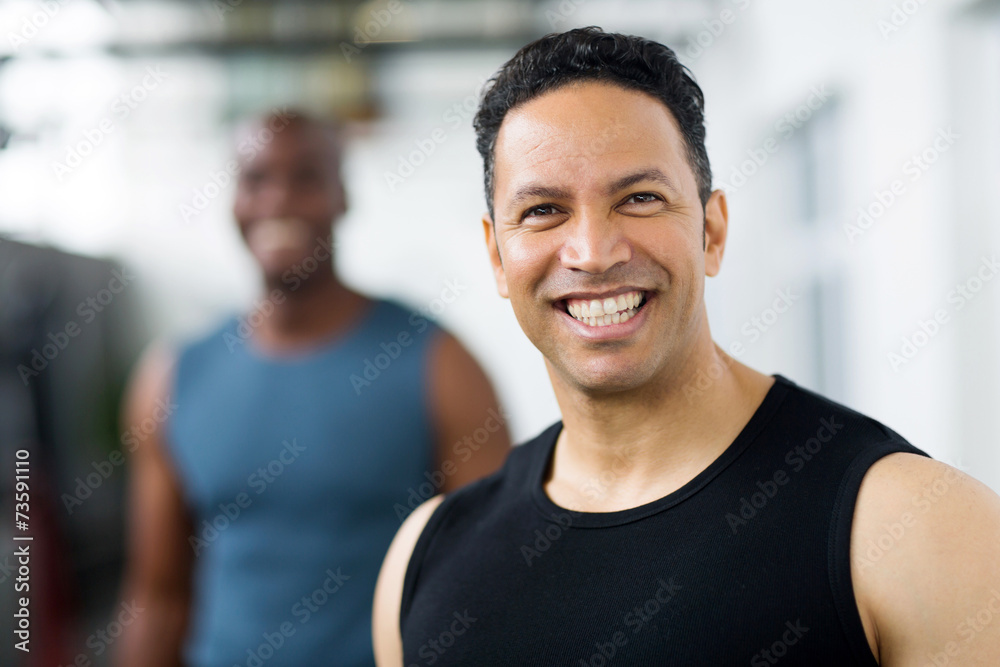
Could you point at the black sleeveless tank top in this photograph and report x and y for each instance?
(746, 564)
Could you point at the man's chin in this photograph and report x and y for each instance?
(275, 265)
(606, 376)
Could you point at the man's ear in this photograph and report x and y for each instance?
(494, 251)
(716, 228)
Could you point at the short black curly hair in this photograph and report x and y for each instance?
(590, 54)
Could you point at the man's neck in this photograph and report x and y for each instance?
(312, 314)
(619, 451)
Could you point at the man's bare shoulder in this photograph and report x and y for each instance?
(925, 559)
(154, 372)
(389, 588)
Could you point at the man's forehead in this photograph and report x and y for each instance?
(588, 129)
(533, 135)
(304, 141)
(597, 109)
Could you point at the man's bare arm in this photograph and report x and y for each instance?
(469, 423)
(389, 588)
(929, 592)
(158, 571)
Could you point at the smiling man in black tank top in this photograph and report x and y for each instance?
(757, 524)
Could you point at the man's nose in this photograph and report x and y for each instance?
(594, 243)
(276, 199)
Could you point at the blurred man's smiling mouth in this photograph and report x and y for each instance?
(277, 234)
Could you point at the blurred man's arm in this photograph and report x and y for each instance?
(472, 442)
(925, 554)
(389, 588)
(472, 439)
(158, 570)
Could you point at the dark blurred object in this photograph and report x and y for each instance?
(67, 339)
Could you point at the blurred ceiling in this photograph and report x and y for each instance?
(146, 28)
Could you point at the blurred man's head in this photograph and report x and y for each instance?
(289, 191)
(602, 225)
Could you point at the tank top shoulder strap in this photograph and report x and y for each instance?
(517, 469)
(841, 580)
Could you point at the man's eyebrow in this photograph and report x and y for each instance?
(652, 174)
(530, 191)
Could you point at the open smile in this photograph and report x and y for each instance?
(605, 316)
(603, 311)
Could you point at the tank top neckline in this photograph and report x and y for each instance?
(765, 411)
(319, 349)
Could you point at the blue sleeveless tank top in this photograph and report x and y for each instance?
(292, 468)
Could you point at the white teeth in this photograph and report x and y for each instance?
(602, 312)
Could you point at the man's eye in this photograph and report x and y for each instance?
(539, 211)
(252, 179)
(310, 177)
(642, 198)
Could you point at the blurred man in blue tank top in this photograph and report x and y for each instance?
(295, 440)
